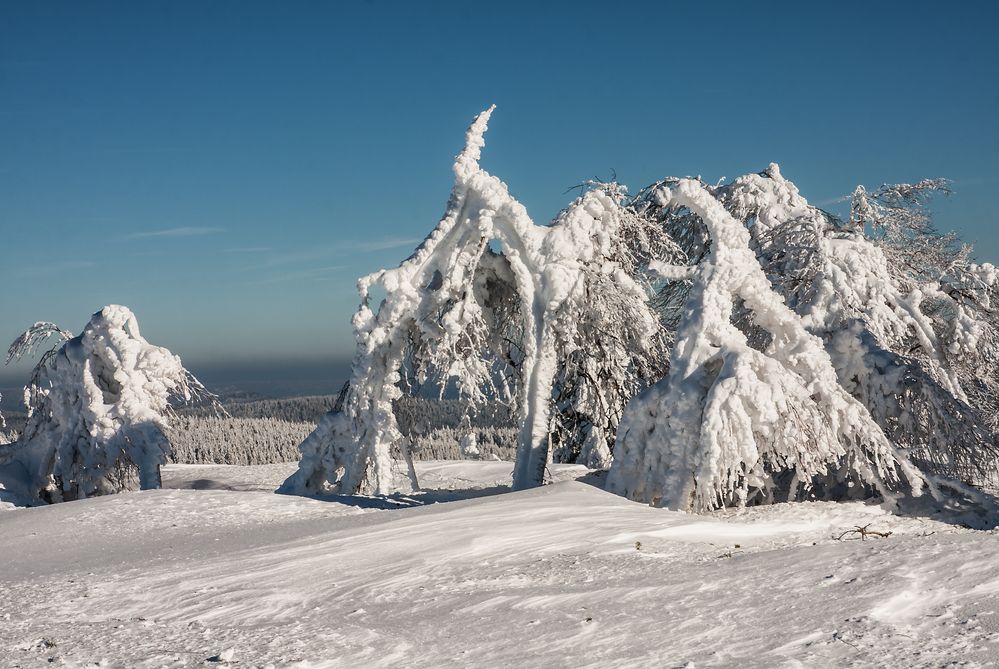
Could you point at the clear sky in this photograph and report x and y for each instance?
(228, 169)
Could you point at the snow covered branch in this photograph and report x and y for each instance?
(31, 338)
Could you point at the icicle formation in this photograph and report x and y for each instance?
(502, 325)
(728, 416)
(97, 407)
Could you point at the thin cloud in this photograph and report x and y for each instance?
(20, 62)
(975, 181)
(175, 232)
(48, 269)
(301, 275)
(329, 251)
(139, 150)
(832, 201)
(247, 249)
(383, 244)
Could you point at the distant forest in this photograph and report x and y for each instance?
(263, 431)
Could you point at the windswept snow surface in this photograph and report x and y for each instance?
(219, 571)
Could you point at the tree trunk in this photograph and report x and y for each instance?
(533, 447)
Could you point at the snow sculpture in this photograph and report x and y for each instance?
(730, 417)
(97, 405)
(522, 324)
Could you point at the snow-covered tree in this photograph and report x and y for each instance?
(551, 319)
(732, 418)
(903, 315)
(878, 290)
(809, 355)
(97, 407)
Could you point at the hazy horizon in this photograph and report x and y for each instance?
(266, 378)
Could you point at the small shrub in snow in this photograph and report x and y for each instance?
(469, 446)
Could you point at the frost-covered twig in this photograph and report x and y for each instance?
(31, 338)
(863, 532)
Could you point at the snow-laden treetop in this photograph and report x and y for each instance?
(97, 407)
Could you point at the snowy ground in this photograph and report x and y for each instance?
(565, 575)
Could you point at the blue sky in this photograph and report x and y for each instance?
(228, 169)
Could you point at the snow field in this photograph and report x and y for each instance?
(563, 575)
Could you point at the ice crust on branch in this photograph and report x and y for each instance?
(519, 324)
(98, 406)
(728, 417)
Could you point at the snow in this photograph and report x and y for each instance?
(562, 575)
